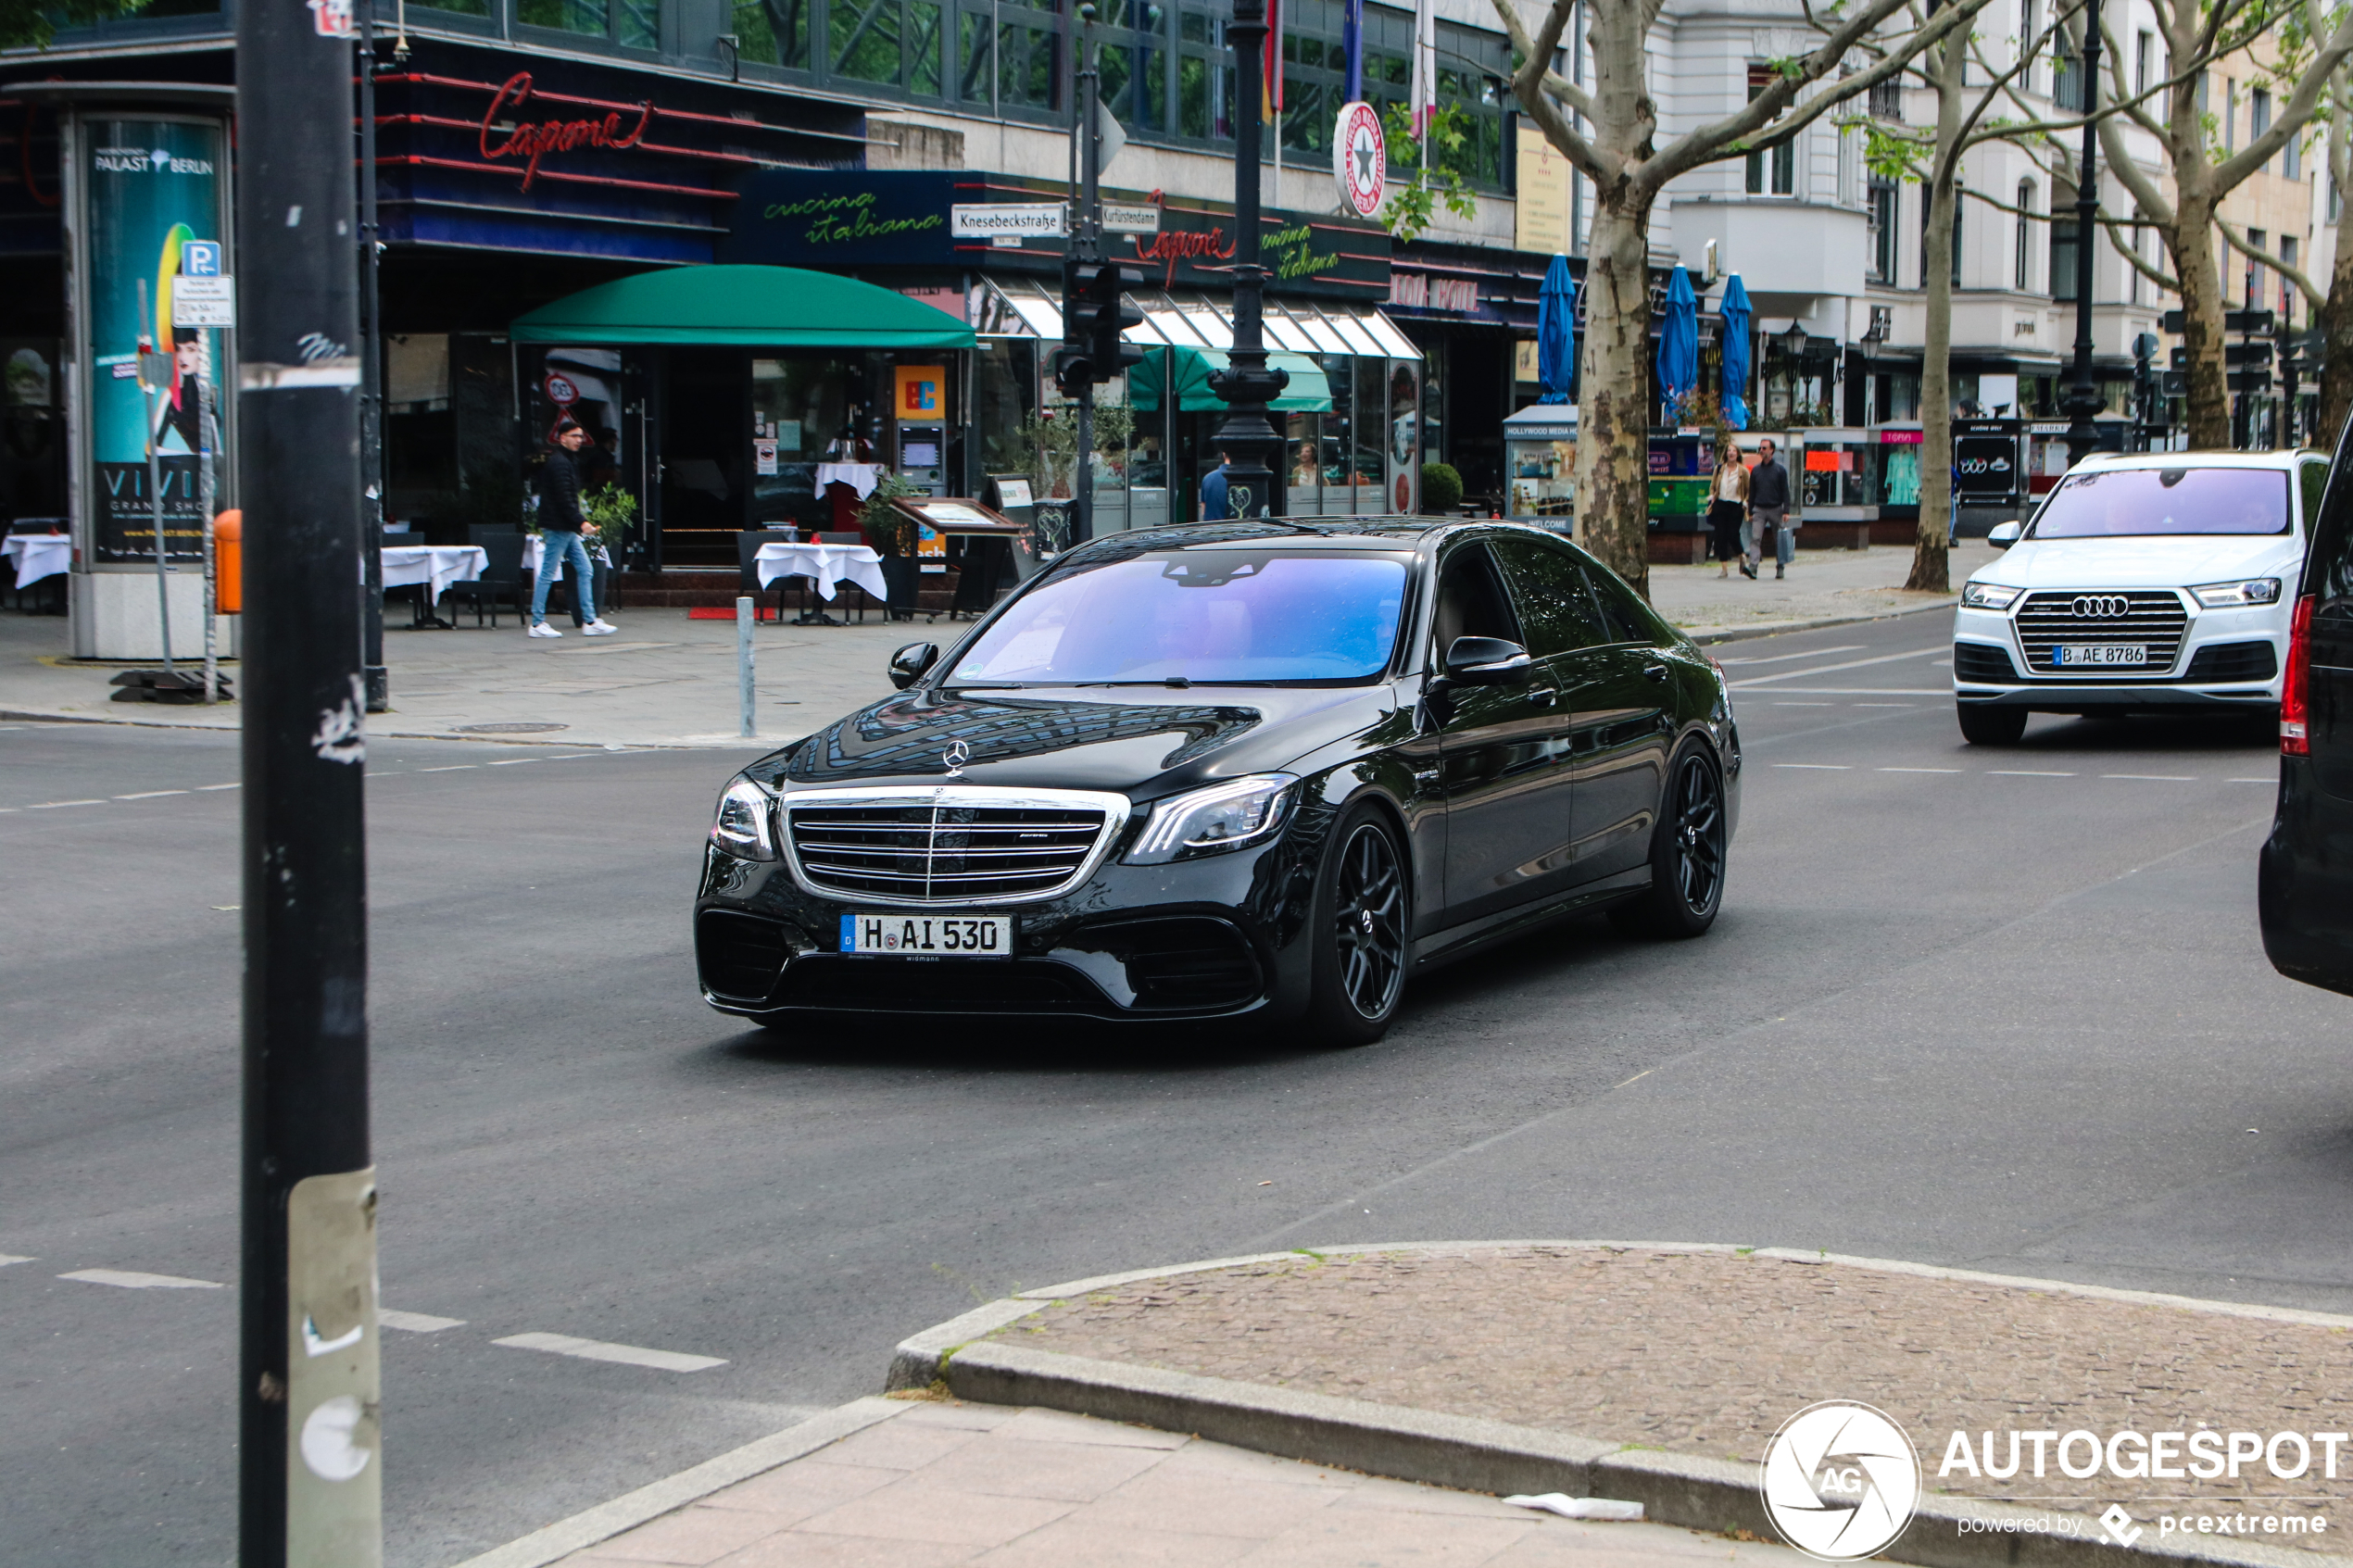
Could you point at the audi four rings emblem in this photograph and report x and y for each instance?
(2106, 607)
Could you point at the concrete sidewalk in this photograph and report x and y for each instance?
(668, 680)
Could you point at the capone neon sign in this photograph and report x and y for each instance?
(531, 142)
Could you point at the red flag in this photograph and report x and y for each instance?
(1272, 102)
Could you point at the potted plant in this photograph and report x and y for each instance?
(892, 533)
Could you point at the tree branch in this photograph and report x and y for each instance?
(2232, 171)
(2132, 255)
(2254, 253)
(1529, 85)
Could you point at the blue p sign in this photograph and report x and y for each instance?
(200, 258)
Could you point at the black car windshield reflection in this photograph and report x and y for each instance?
(1227, 617)
(2147, 501)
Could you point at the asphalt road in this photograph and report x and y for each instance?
(2004, 1009)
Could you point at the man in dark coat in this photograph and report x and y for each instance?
(562, 528)
(1767, 511)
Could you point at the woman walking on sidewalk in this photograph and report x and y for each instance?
(561, 527)
(1727, 508)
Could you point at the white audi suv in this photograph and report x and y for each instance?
(2145, 580)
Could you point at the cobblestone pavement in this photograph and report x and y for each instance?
(1709, 1353)
(985, 1483)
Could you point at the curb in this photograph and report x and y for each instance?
(1474, 1454)
(1743, 633)
(633, 1508)
(141, 720)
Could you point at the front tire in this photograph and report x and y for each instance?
(1983, 725)
(1362, 916)
(1687, 853)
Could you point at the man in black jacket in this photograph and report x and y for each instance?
(1767, 512)
(562, 528)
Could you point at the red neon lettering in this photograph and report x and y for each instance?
(1172, 246)
(533, 141)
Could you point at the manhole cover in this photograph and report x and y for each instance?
(509, 729)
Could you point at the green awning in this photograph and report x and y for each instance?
(1307, 394)
(754, 306)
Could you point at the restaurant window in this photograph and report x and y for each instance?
(633, 24)
(1205, 79)
(460, 7)
(1134, 38)
(894, 43)
(772, 32)
(1778, 165)
(1472, 66)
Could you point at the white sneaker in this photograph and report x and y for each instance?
(543, 630)
(598, 628)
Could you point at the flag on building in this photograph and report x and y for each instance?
(1270, 103)
(1351, 40)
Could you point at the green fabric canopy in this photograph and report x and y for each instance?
(755, 307)
(1307, 394)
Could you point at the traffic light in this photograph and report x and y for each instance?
(1095, 314)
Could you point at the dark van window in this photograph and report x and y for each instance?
(1555, 607)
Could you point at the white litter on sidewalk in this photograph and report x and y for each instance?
(1581, 1508)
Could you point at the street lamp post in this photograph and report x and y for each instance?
(2082, 398)
(1247, 385)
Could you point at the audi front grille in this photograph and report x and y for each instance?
(960, 845)
(2151, 618)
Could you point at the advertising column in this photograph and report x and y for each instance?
(149, 208)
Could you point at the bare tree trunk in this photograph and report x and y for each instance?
(2191, 241)
(1613, 408)
(1929, 557)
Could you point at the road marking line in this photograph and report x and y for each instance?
(2025, 773)
(207, 789)
(1806, 705)
(130, 1281)
(1860, 691)
(1847, 664)
(453, 768)
(2250, 781)
(2156, 778)
(1916, 769)
(517, 762)
(1881, 705)
(1824, 767)
(59, 805)
(151, 794)
(415, 1323)
(1785, 658)
(596, 1350)
(8, 1257)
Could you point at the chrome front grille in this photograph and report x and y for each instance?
(948, 844)
(2151, 618)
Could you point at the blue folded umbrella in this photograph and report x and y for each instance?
(1679, 340)
(1736, 313)
(1556, 333)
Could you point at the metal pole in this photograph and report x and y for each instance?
(1084, 244)
(746, 699)
(372, 423)
(204, 440)
(309, 1405)
(1246, 384)
(153, 366)
(2082, 398)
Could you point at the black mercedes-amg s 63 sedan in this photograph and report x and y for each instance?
(1261, 769)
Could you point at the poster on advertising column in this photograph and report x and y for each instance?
(153, 200)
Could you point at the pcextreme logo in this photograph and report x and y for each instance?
(1840, 1480)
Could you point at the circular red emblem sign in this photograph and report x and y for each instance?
(561, 390)
(1359, 158)
(1405, 494)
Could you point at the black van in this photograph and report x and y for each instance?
(2306, 884)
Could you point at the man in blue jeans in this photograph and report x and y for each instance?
(561, 530)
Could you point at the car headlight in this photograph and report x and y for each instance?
(2235, 595)
(745, 825)
(1988, 596)
(1208, 821)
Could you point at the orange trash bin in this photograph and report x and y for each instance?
(229, 563)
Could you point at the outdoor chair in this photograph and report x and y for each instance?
(503, 578)
(748, 545)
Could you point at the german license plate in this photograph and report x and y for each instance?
(898, 936)
(2077, 654)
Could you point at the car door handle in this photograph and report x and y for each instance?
(1544, 696)
(1655, 672)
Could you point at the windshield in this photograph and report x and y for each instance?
(2144, 501)
(1206, 617)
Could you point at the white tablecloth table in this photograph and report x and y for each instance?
(859, 477)
(827, 564)
(36, 556)
(535, 548)
(436, 565)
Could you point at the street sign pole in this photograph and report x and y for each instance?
(372, 382)
(2082, 400)
(309, 1413)
(1248, 384)
(1083, 245)
(157, 368)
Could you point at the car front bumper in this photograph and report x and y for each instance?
(2173, 688)
(1221, 937)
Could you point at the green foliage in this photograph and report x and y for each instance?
(35, 22)
(889, 530)
(1441, 487)
(1411, 208)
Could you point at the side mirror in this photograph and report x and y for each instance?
(2005, 535)
(1488, 662)
(908, 665)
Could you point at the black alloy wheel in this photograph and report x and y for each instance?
(1359, 932)
(1687, 853)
